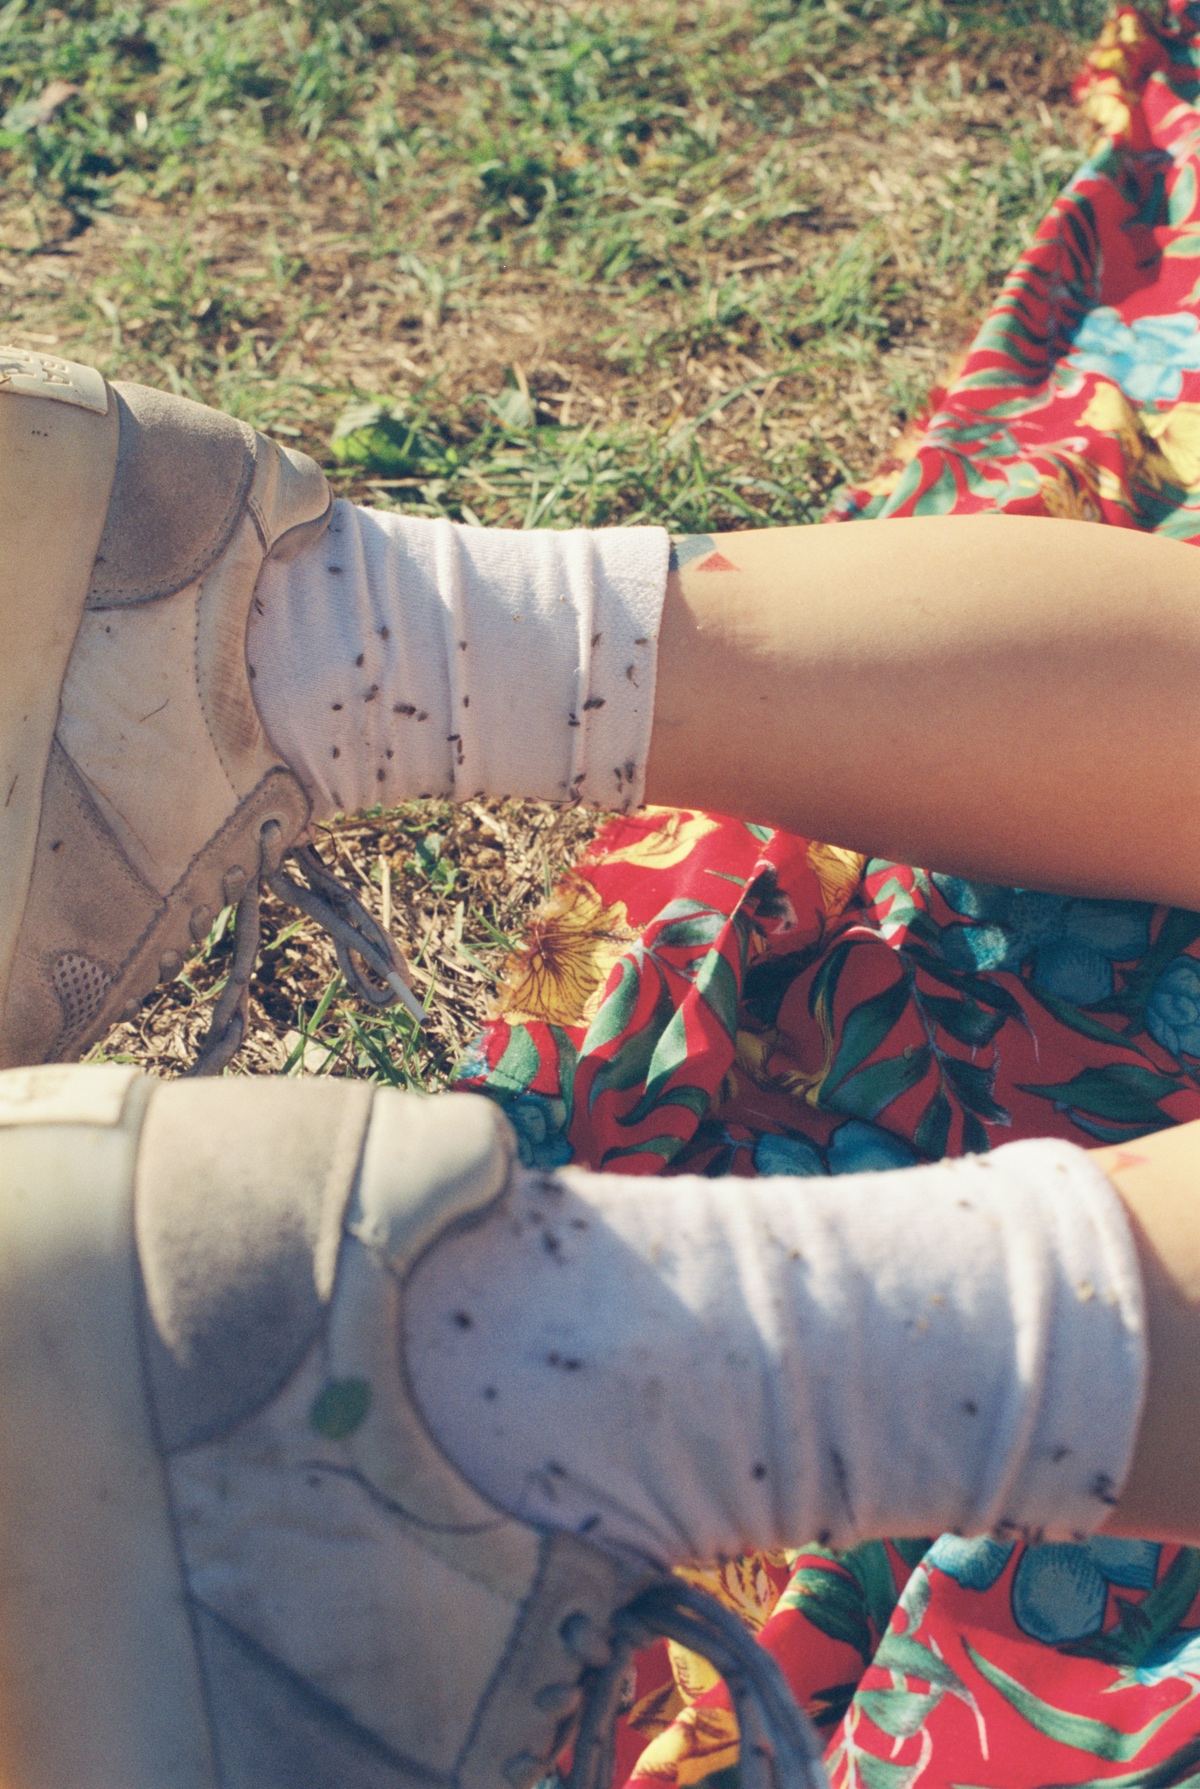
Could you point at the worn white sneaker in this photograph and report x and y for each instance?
(232, 1555)
(138, 791)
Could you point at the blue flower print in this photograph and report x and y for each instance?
(541, 1127)
(855, 1147)
(787, 1155)
(1146, 358)
(1177, 1656)
(1173, 1009)
(1060, 1591)
(975, 1564)
(1059, 1594)
(472, 1065)
(1072, 944)
(1132, 1565)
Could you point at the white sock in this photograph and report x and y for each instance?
(686, 1367)
(399, 657)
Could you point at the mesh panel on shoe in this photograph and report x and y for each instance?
(81, 985)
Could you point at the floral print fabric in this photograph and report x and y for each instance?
(709, 996)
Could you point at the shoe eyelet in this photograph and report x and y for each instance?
(233, 884)
(522, 1769)
(558, 1698)
(581, 1637)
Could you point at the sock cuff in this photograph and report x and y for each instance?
(683, 1368)
(1077, 1295)
(980, 1333)
(401, 657)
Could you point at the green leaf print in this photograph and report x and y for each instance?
(1176, 1771)
(568, 1062)
(616, 1010)
(700, 928)
(942, 495)
(629, 1067)
(831, 1599)
(898, 1712)
(825, 982)
(518, 1065)
(1121, 1091)
(1145, 1625)
(933, 1130)
(907, 1657)
(1181, 200)
(665, 1149)
(1099, 1738)
(717, 985)
(1078, 1020)
(870, 1565)
(972, 1086)
(965, 1020)
(877, 1773)
(692, 1099)
(865, 1028)
(871, 1090)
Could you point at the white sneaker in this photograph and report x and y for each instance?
(138, 791)
(232, 1555)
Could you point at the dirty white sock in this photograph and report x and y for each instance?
(400, 657)
(687, 1367)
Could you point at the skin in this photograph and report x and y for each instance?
(1007, 698)
(1010, 699)
(1156, 1179)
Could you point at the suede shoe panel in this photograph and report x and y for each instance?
(182, 478)
(242, 1188)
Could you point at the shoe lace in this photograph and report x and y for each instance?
(779, 1749)
(357, 938)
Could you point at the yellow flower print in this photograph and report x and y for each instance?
(698, 1743)
(766, 1059)
(559, 973)
(743, 1585)
(838, 874)
(1107, 107)
(1163, 445)
(1177, 432)
(669, 844)
(1110, 412)
(1066, 500)
(693, 1674)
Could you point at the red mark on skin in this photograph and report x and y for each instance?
(1126, 1159)
(716, 562)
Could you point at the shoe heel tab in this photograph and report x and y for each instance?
(428, 1164)
(290, 501)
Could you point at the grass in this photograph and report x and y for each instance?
(523, 264)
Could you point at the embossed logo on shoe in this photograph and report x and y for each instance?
(46, 376)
